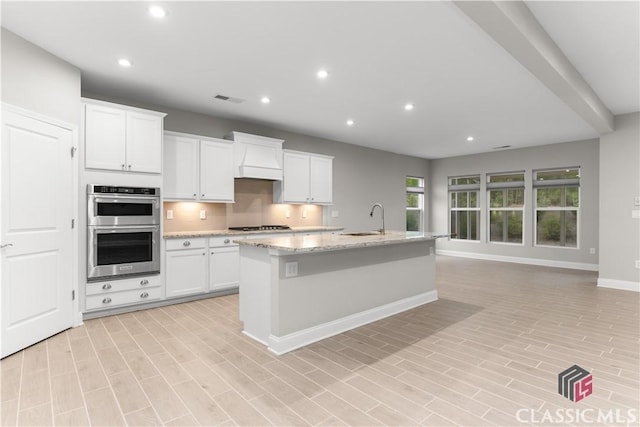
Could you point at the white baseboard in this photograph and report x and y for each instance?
(284, 344)
(521, 260)
(624, 285)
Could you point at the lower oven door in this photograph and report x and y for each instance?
(123, 251)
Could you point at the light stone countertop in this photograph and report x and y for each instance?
(335, 242)
(213, 233)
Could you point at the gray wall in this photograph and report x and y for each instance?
(579, 153)
(361, 176)
(34, 79)
(619, 186)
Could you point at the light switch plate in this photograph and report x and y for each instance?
(334, 214)
(592, 251)
(169, 213)
(290, 269)
(638, 263)
(635, 214)
(203, 214)
(304, 213)
(287, 214)
(637, 201)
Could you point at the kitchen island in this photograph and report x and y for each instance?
(298, 290)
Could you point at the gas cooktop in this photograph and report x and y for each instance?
(260, 227)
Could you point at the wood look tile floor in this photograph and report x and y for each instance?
(488, 352)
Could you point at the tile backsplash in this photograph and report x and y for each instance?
(253, 206)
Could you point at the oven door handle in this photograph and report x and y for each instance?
(124, 199)
(124, 228)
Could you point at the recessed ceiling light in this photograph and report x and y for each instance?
(157, 12)
(469, 138)
(408, 107)
(124, 62)
(322, 74)
(265, 100)
(350, 122)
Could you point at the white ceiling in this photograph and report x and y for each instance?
(380, 55)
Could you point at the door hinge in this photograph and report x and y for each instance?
(73, 223)
(73, 151)
(73, 295)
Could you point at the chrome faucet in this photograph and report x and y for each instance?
(381, 211)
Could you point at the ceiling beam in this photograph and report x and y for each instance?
(513, 26)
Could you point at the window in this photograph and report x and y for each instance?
(415, 203)
(557, 194)
(464, 210)
(506, 207)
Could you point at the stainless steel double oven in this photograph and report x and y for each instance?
(123, 227)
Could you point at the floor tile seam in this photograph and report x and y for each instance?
(77, 372)
(310, 399)
(460, 409)
(339, 398)
(50, 385)
(248, 401)
(18, 403)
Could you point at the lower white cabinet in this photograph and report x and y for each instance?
(186, 267)
(224, 263)
(113, 293)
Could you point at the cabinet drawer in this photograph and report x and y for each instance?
(177, 244)
(98, 288)
(219, 242)
(113, 299)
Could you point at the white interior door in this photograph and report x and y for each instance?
(36, 234)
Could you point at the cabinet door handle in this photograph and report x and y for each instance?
(106, 286)
(227, 241)
(144, 294)
(203, 195)
(107, 300)
(144, 282)
(186, 243)
(6, 245)
(204, 253)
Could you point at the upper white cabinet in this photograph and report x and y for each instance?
(308, 178)
(122, 138)
(197, 168)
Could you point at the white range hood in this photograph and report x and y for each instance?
(256, 156)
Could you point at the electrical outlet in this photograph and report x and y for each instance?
(592, 251)
(304, 213)
(169, 214)
(335, 214)
(635, 214)
(290, 269)
(638, 263)
(637, 201)
(203, 214)
(287, 214)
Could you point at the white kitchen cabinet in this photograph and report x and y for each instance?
(216, 170)
(224, 263)
(198, 168)
(186, 267)
(122, 138)
(308, 178)
(180, 172)
(114, 293)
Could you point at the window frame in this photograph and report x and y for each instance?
(465, 188)
(557, 183)
(506, 186)
(421, 202)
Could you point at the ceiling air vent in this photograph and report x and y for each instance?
(502, 147)
(221, 97)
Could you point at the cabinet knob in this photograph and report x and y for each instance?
(107, 300)
(186, 243)
(106, 286)
(312, 198)
(194, 194)
(227, 241)
(123, 166)
(212, 253)
(144, 294)
(129, 167)
(203, 195)
(144, 282)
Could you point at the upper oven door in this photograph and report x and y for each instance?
(123, 210)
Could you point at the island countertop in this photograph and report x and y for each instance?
(335, 242)
(227, 232)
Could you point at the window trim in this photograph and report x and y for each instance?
(420, 191)
(558, 183)
(509, 185)
(455, 188)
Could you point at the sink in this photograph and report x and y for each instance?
(362, 233)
